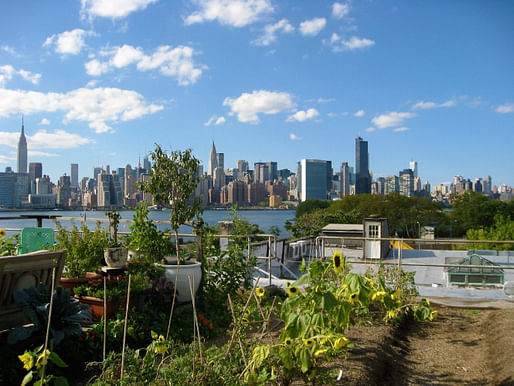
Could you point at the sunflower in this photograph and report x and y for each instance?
(260, 291)
(308, 342)
(288, 341)
(354, 297)
(2, 232)
(42, 359)
(341, 342)
(378, 296)
(27, 359)
(292, 291)
(338, 261)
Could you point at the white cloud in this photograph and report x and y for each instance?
(175, 62)
(114, 9)
(8, 49)
(248, 106)
(370, 129)
(359, 113)
(506, 108)
(391, 119)
(42, 139)
(312, 27)
(7, 72)
(294, 137)
(422, 105)
(400, 129)
(44, 121)
(4, 159)
(67, 42)
(41, 154)
(270, 32)
(215, 120)
(338, 44)
(326, 100)
(96, 106)
(301, 116)
(340, 10)
(235, 13)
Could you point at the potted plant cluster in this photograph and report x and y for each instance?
(84, 253)
(116, 254)
(173, 180)
(145, 241)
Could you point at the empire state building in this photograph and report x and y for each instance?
(22, 151)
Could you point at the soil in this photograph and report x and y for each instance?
(462, 346)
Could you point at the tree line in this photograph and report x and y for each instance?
(472, 215)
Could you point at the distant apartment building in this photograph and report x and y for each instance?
(109, 192)
(256, 193)
(74, 169)
(406, 182)
(315, 179)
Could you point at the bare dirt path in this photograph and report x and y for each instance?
(462, 346)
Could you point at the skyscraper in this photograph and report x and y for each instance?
(22, 151)
(35, 170)
(414, 167)
(74, 174)
(363, 182)
(316, 179)
(213, 161)
(345, 179)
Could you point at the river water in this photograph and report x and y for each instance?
(263, 218)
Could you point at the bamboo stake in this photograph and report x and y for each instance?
(242, 313)
(195, 319)
(238, 338)
(48, 325)
(125, 330)
(174, 297)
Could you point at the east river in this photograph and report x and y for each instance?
(263, 218)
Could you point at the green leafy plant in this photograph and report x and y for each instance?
(173, 179)
(145, 239)
(67, 314)
(36, 362)
(84, 248)
(8, 245)
(114, 220)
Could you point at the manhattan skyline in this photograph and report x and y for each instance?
(267, 81)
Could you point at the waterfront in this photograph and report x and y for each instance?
(263, 218)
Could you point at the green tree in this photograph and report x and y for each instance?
(173, 180)
(502, 229)
(310, 206)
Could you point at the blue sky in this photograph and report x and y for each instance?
(100, 81)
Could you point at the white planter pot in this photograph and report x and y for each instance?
(180, 275)
(115, 257)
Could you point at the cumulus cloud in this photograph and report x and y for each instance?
(7, 72)
(422, 105)
(270, 32)
(294, 137)
(235, 13)
(4, 159)
(370, 129)
(58, 139)
(215, 120)
(170, 61)
(340, 10)
(506, 108)
(67, 42)
(248, 106)
(301, 116)
(400, 129)
(391, 119)
(359, 113)
(8, 49)
(41, 154)
(312, 27)
(339, 44)
(115, 9)
(44, 121)
(96, 106)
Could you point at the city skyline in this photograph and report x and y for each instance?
(267, 81)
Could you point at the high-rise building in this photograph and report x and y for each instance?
(380, 185)
(242, 166)
(220, 160)
(35, 170)
(261, 172)
(363, 182)
(406, 182)
(96, 171)
(272, 171)
(74, 174)
(316, 179)
(391, 185)
(22, 151)
(213, 162)
(63, 191)
(7, 189)
(147, 165)
(414, 167)
(345, 179)
(129, 186)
